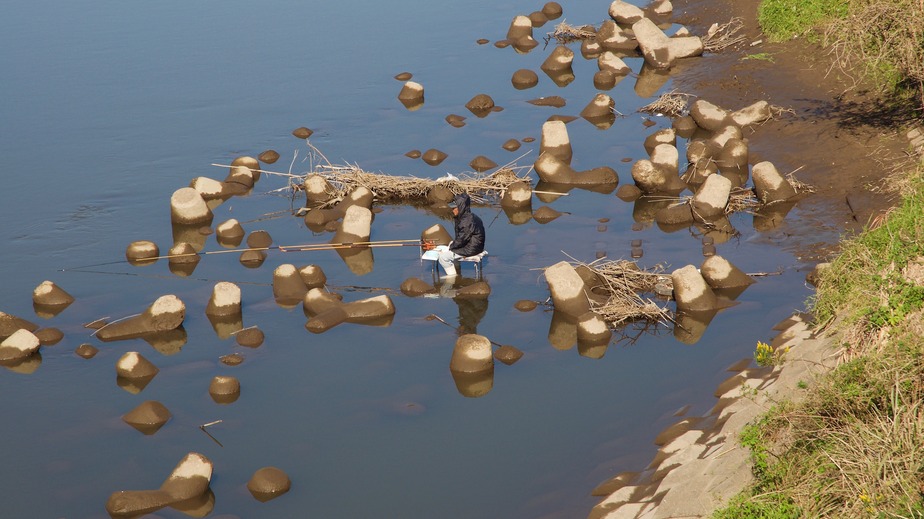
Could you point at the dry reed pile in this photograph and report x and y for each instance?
(565, 33)
(481, 187)
(721, 37)
(621, 282)
(671, 104)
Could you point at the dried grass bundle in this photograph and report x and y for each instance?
(671, 104)
(482, 187)
(621, 281)
(565, 33)
(721, 37)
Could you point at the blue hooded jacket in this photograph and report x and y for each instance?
(469, 238)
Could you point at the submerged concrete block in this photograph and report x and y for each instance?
(691, 292)
(188, 207)
(268, 483)
(472, 354)
(555, 141)
(659, 50)
(769, 185)
(50, 294)
(720, 273)
(165, 314)
(19, 345)
(567, 289)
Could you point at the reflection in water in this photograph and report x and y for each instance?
(473, 385)
(689, 327)
(359, 261)
(226, 325)
(471, 309)
(190, 234)
(169, 342)
(26, 366)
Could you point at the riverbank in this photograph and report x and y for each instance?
(838, 144)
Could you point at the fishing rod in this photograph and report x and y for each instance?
(282, 248)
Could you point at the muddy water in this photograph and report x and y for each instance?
(110, 108)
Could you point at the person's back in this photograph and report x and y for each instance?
(469, 229)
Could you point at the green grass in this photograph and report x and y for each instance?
(854, 447)
(864, 283)
(785, 19)
(760, 56)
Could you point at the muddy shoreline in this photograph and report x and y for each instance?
(829, 137)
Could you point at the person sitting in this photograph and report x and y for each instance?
(469, 236)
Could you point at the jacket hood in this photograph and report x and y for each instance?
(462, 201)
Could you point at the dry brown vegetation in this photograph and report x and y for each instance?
(887, 40)
(621, 282)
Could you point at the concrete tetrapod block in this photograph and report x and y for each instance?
(734, 156)
(667, 157)
(268, 483)
(555, 141)
(720, 273)
(230, 233)
(225, 300)
(250, 163)
(189, 480)
(517, 194)
(663, 136)
(520, 27)
(472, 354)
(613, 38)
(317, 189)
(326, 310)
(559, 60)
(711, 198)
(148, 417)
(224, 389)
(241, 175)
(288, 285)
(662, 7)
(769, 184)
(437, 234)
(552, 170)
(599, 111)
(659, 50)
(752, 114)
(208, 188)
(709, 116)
(188, 207)
(139, 251)
(624, 12)
(411, 95)
(165, 314)
(133, 365)
(313, 276)
(691, 292)
(413, 287)
(593, 335)
(50, 294)
(356, 226)
(613, 63)
(19, 345)
(567, 290)
(652, 178)
(724, 134)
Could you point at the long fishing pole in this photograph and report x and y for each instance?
(281, 248)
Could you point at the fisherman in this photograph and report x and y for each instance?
(469, 235)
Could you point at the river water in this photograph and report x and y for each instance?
(111, 106)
